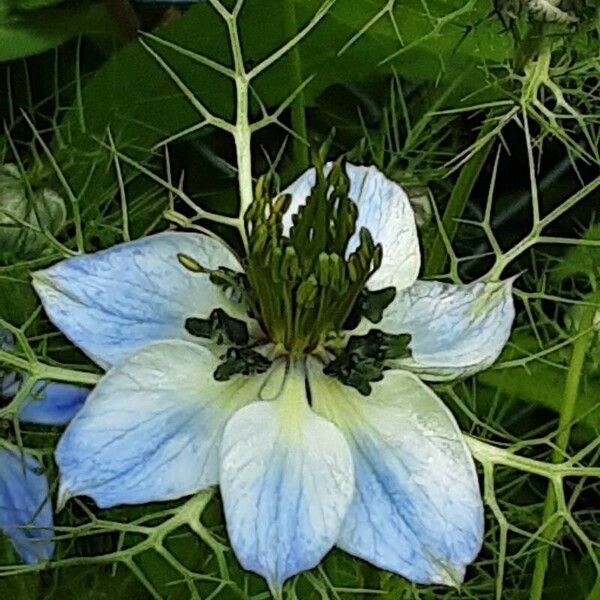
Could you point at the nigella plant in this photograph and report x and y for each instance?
(26, 515)
(292, 376)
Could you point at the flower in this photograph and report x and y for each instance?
(317, 435)
(25, 508)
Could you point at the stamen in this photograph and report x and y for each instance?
(303, 283)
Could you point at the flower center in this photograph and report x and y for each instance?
(303, 282)
(304, 287)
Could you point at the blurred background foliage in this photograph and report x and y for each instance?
(489, 114)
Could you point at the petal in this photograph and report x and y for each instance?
(25, 510)
(456, 330)
(151, 428)
(7, 340)
(417, 509)
(286, 481)
(52, 403)
(9, 385)
(384, 209)
(116, 301)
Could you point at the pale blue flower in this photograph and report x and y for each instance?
(25, 507)
(303, 461)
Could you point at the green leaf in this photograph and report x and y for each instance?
(431, 51)
(141, 104)
(580, 259)
(31, 4)
(543, 384)
(24, 35)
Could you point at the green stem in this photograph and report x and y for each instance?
(300, 150)
(43, 371)
(530, 46)
(457, 202)
(562, 441)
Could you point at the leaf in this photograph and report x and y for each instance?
(580, 259)
(441, 50)
(133, 95)
(24, 35)
(31, 4)
(543, 384)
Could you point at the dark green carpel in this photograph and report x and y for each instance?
(234, 285)
(241, 361)
(219, 327)
(370, 305)
(363, 360)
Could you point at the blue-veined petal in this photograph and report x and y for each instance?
(456, 330)
(417, 509)
(25, 510)
(151, 429)
(48, 403)
(384, 209)
(116, 301)
(52, 403)
(286, 481)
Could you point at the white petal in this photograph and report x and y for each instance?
(116, 301)
(286, 482)
(417, 509)
(152, 427)
(456, 330)
(384, 209)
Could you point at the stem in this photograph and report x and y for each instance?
(530, 46)
(243, 132)
(300, 151)
(43, 371)
(562, 441)
(457, 202)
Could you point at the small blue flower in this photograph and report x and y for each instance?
(303, 461)
(25, 507)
